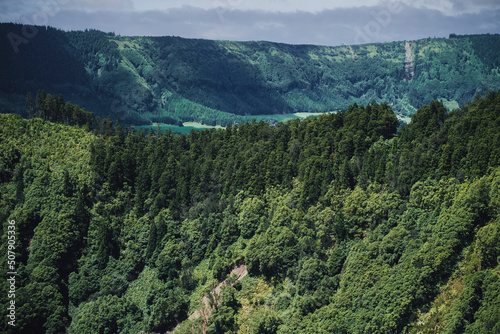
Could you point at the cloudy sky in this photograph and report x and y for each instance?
(289, 21)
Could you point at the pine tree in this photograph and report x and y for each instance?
(30, 103)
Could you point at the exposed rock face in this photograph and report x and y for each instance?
(409, 68)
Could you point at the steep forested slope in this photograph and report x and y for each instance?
(170, 80)
(344, 224)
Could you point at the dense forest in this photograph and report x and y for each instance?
(144, 80)
(341, 223)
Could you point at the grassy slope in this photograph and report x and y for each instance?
(173, 80)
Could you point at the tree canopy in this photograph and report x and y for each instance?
(345, 223)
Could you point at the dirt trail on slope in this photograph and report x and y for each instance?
(206, 311)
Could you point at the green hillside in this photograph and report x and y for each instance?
(334, 224)
(144, 80)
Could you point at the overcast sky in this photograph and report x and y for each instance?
(288, 21)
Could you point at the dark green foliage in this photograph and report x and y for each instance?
(54, 109)
(477, 311)
(269, 324)
(272, 253)
(108, 314)
(55, 62)
(345, 224)
(167, 308)
(223, 318)
(486, 47)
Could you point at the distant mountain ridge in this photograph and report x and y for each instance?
(171, 80)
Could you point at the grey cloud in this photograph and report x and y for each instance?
(329, 27)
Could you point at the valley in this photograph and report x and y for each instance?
(172, 80)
